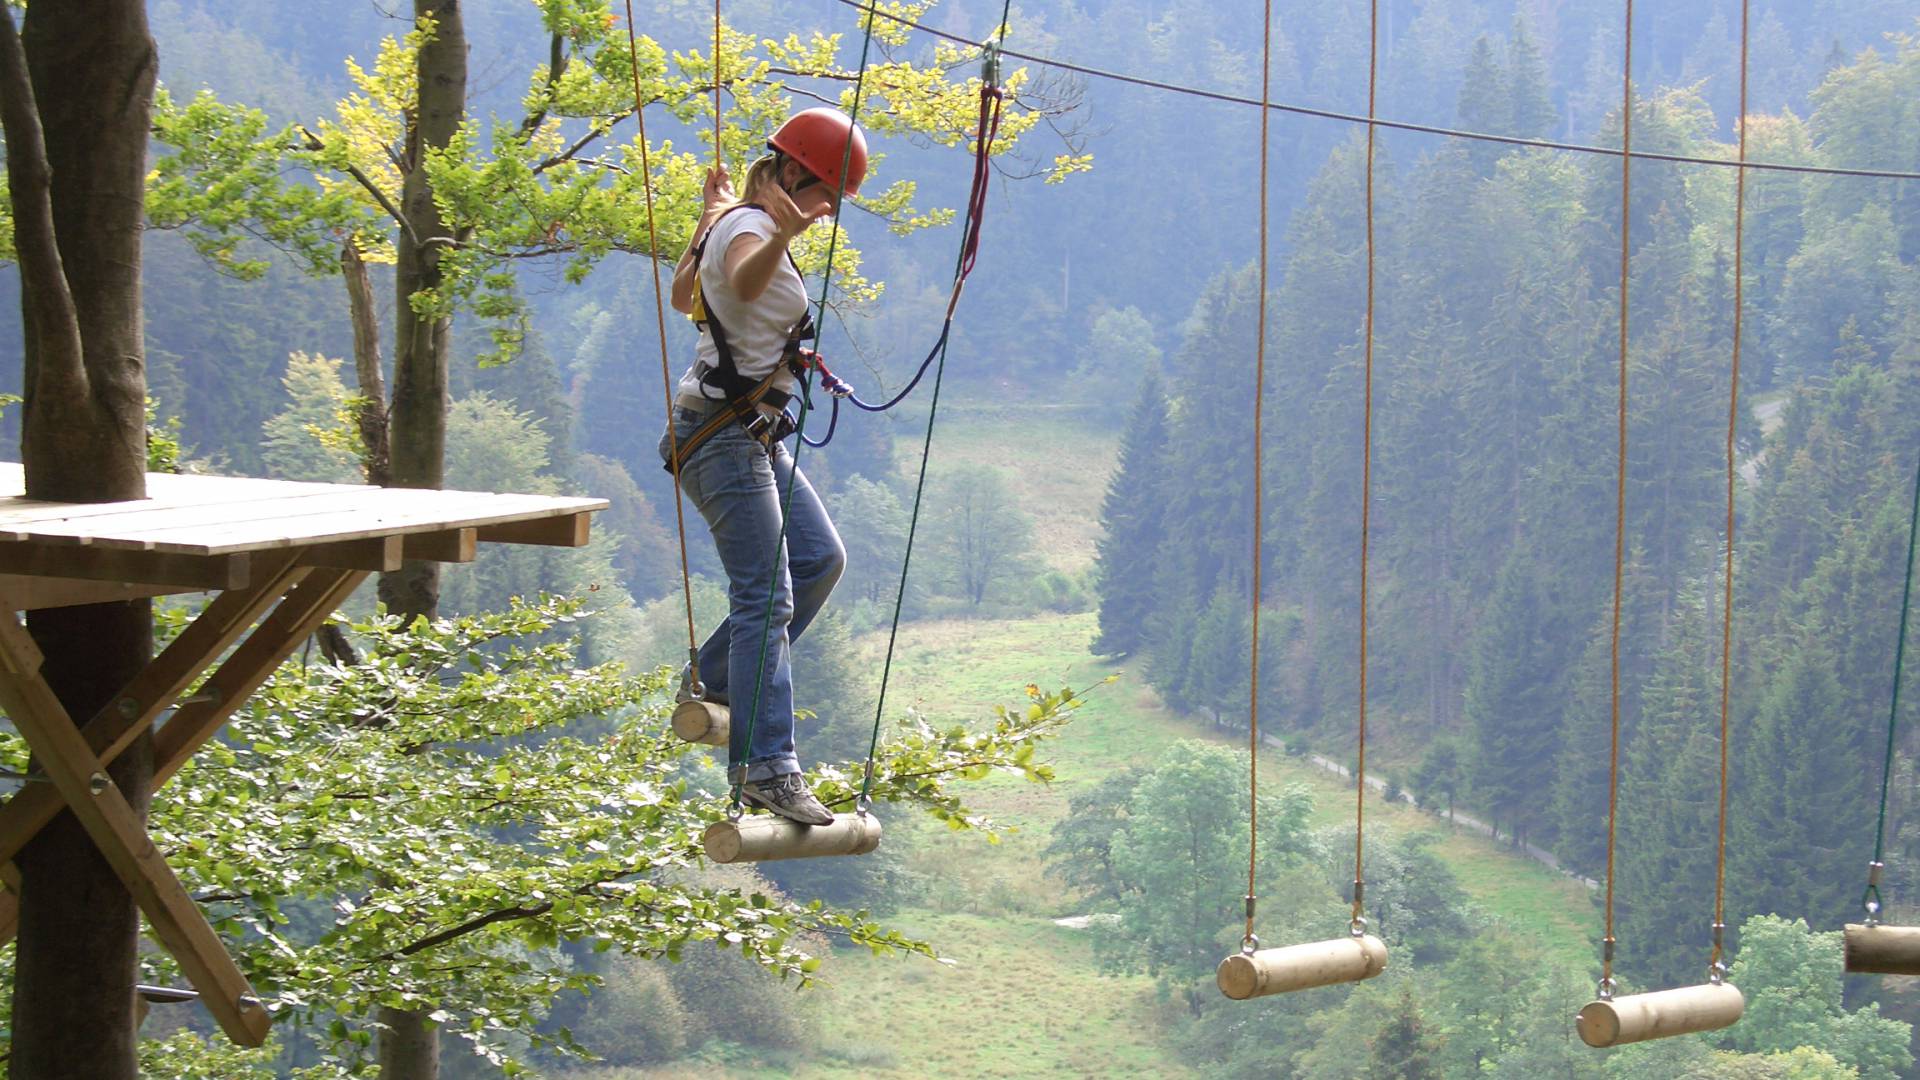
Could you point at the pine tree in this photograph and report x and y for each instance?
(1486, 103)
(1133, 525)
(1404, 1049)
(1510, 698)
(1531, 100)
(1668, 810)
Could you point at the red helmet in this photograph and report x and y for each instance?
(817, 139)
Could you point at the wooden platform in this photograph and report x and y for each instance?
(282, 556)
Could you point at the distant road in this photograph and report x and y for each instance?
(1537, 854)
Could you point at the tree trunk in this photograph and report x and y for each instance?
(417, 421)
(371, 417)
(77, 88)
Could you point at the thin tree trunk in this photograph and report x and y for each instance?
(367, 366)
(76, 92)
(417, 421)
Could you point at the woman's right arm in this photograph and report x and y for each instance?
(751, 261)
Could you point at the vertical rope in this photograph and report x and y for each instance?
(1620, 496)
(1733, 420)
(989, 127)
(660, 321)
(718, 158)
(1259, 480)
(1366, 480)
(806, 395)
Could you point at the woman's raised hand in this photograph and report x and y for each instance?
(789, 220)
(718, 189)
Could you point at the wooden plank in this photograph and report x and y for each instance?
(164, 491)
(451, 546)
(571, 531)
(117, 832)
(135, 567)
(134, 518)
(21, 592)
(379, 553)
(390, 511)
(153, 691)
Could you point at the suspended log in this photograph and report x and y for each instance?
(1661, 1014)
(701, 722)
(1883, 950)
(1301, 967)
(763, 838)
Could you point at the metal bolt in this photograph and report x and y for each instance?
(209, 696)
(129, 708)
(99, 783)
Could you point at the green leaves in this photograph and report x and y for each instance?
(431, 826)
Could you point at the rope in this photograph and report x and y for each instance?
(1366, 484)
(718, 159)
(660, 319)
(1715, 969)
(1620, 496)
(1400, 125)
(1871, 899)
(1259, 512)
(987, 130)
(806, 390)
(968, 250)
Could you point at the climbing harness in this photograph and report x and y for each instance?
(758, 405)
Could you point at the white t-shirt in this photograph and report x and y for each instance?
(756, 332)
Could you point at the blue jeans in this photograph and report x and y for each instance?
(738, 487)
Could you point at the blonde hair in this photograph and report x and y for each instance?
(764, 171)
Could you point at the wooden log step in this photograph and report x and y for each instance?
(1661, 1014)
(764, 838)
(701, 722)
(1301, 967)
(1882, 950)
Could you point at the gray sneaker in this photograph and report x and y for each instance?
(788, 796)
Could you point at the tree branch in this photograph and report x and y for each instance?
(57, 359)
(315, 143)
(556, 67)
(371, 416)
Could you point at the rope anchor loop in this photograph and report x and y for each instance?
(1606, 988)
(1250, 944)
(1871, 899)
(690, 683)
(1357, 926)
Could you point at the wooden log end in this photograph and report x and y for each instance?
(1301, 967)
(701, 722)
(1882, 950)
(764, 838)
(1661, 1014)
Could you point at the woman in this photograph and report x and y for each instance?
(740, 284)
